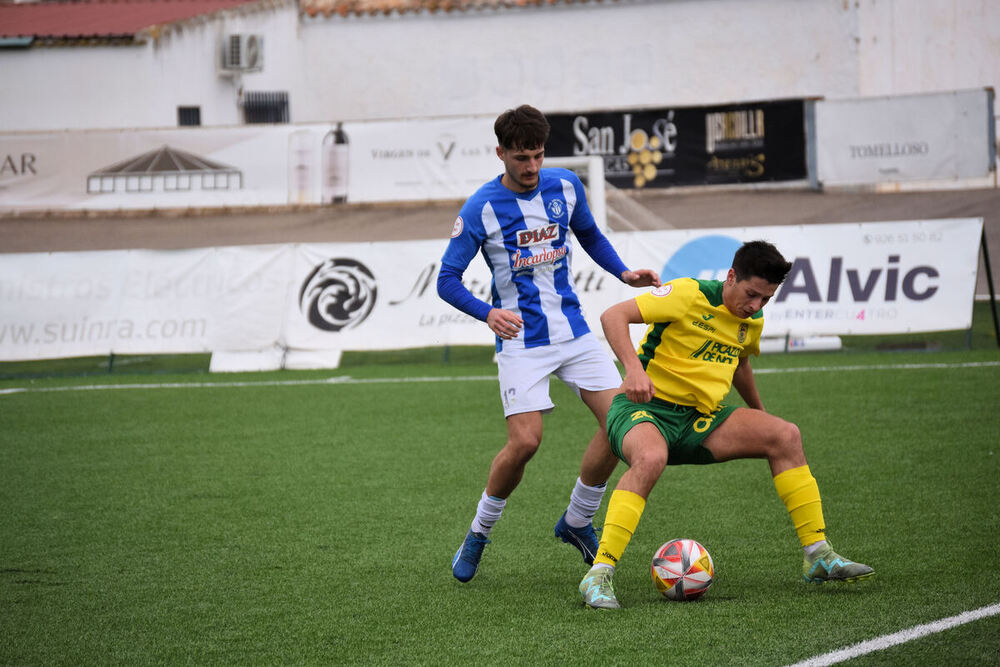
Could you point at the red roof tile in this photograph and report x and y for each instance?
(346, 7)
(100, 18)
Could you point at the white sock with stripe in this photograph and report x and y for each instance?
(487, 513)
(584, 503)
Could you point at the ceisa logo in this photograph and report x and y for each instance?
(338, 294)
(704, 258)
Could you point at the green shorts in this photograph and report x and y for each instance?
(683, 427)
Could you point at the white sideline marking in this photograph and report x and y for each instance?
(876, 367)
(901, 637)
(341, 379)
(346, 379)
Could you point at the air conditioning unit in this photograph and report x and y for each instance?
(243, 53)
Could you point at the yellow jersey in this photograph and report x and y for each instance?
(693, 344)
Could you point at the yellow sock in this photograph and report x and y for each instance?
(797, 488)
(624, 510)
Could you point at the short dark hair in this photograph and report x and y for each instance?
(522, 128)
(761, 259)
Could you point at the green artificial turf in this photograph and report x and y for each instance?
(281, 518)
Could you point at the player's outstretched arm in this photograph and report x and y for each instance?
(746, 386)
(615, 322)
(641, 278)
(601, 251)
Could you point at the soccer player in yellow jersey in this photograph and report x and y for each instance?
(669, 409)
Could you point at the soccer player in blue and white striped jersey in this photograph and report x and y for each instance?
(520, 223)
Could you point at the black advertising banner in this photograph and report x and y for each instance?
(751, 142)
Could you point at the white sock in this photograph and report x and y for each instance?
(584, 503)
(814, 546)
(487, 513)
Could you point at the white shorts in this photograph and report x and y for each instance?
(581, 363)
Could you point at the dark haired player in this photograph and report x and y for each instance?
(520, 223)
(670, 411)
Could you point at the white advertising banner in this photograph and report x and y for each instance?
(249, 296)
(61, 304)
(145, 169)
(417, 160)
(858, 141)
(384, 296)
(168, 297)
(141, 301)
(421, 160)
(864, 278)
(375, 296)
(855, 278)
(939, 136)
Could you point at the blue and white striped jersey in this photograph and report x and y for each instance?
(524, 239)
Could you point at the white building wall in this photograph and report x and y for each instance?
(920, 46)
(579, 56)
(141, 85)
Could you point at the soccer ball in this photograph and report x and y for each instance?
(682, 570)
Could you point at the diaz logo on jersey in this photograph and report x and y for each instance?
(539, 235)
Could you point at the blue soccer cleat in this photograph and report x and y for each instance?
(584, 539)
(466, 560)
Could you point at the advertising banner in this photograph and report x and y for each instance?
(752, 142)
(868, 278)
(269, 165)
(939, 136)
(63, 304)
(852, 278)
(145, 169)
(141, 301)
(248, 296)
(919, 137)
(384, 296)
(373, 296)
(420, 160)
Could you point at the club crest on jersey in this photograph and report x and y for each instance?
(538, 235)
(556, 208)
(457, 229)
(741, 335)
(662, 290)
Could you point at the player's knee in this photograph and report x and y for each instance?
(524, 445)
(650, 460)
(788, 438)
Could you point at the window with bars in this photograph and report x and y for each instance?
(188, 116)
(265, 107)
